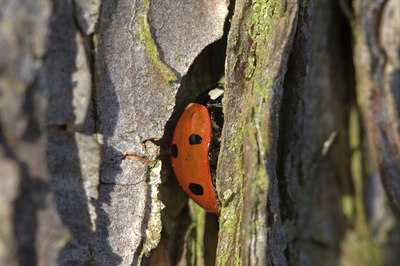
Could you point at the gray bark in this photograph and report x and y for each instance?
(86, 92)
(90, 92)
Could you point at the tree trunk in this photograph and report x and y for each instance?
(90, 92)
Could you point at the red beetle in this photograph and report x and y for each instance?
(195, 147)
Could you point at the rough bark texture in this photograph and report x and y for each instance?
(259, 42)
(90, 91)
(292, 132)
(86, 90)
(377, 63)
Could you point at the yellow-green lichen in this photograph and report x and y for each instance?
(264, 15)
(254, 126)
(230, 218)
(154, 225)
(147, 40)
(251, 66)
(261, 86)
(230, 224)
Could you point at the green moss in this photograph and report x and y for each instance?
(264, 15)
(199, 220)
(251, 67)
(263, 18)
(258, 23)
(261, 85)
(146, 39)
(358, 245)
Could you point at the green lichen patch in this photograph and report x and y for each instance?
(251, 66)
(264, 14)
(154, 225)
(229, 251)
(254, 53)
(264, 18)
(229, 226)
(147, 40)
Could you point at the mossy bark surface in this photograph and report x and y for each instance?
(295, 175)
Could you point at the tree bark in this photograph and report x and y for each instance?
(90, 92)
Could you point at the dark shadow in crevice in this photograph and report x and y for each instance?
(210, 238)
(294, 184)
(175, 215)
(290, 123)
(205, 72)
(32, 131)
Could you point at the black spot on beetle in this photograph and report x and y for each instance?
(195, 139)
(174, 150)
(196, 189)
